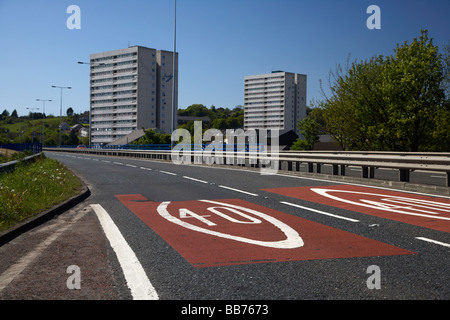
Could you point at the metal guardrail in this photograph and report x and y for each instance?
(404, 162)
(9, 166)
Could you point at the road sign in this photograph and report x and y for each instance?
(420, 210)
(210, 233)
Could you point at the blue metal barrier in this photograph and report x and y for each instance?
(21, 147)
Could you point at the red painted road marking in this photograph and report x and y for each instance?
(212, 233)
(425, 211)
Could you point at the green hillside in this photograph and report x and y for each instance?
(19, 129)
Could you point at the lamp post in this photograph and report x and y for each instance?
(90, 108)
(60, 112)
(173, 126)
(32, 123)
(43, 119)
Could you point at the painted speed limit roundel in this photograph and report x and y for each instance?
(237, 215)
(209, 233)
(421, 210)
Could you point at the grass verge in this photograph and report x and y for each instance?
(33, 188)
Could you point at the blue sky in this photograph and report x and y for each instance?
(219, 42)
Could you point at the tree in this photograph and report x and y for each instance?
(69, 112)
(5, 113)
(14, 114)
(396, 103)
(309, 129)
(153, 137)
(413, 85)
(73, 139)
(195, 110)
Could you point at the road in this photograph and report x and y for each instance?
(196, 233)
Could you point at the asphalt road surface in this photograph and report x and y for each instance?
(154, 230)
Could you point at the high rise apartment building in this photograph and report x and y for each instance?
(131, 89)
(274, 101)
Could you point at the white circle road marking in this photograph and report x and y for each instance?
(293, 239)
(388, 207)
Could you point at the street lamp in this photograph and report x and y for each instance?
(43, 120)
(32, 123)
(60, 112)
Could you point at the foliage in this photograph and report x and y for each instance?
(33, 188)
(72, 140)
(11, 155)
(221, 118)
(19, 130)
(309, 129)
(153, 137)
(396, 103)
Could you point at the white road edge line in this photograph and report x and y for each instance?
(318, 211)
(193, 179)
(137, 280)
(237, 190)
(434, 241)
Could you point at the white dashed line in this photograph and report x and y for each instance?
(171, 173)
(318, 211)
(238, 190)
(193, 179)
(434, 241)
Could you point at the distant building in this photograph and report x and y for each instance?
(131, 89)
(274, 101)
(65, 127)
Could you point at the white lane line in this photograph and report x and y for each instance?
(318, 211)
(238, 190)
(13, 271)
(140, 286)
(193, 179)
(106, 161)
(434, 241)
(118, 163)
(171, 173)
(130, 165)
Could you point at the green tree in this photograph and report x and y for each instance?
(5, 113)
(392, 103)
(73, 139)
(309, 129)
(69, 112)
(153, 137)
(415, 95)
